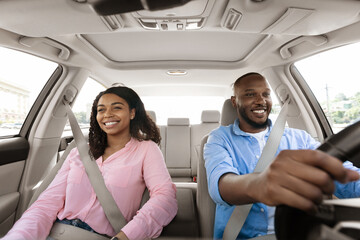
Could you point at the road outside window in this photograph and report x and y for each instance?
(334, 78)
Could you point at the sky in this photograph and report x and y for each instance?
(338, 69)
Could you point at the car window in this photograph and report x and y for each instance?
(190, 107)
(333, 77)
(181, 106)
(83, 103)
(22, 77)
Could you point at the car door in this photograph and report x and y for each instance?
(25, 81)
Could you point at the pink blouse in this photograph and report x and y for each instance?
(126, 174)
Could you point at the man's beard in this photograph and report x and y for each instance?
(252, 123)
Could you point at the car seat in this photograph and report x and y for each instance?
(205, 205)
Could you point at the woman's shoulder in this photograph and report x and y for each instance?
(145, 143)
(74, 155)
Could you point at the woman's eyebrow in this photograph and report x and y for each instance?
(114, 103)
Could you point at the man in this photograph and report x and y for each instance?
(297, 177)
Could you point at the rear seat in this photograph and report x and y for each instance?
(177, 154)
(210, 119)
(162, 129)
(180, 145)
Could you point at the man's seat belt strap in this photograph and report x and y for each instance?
(240, 213)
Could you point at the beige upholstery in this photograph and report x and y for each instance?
(162, 129)
(210, 119)
(228, 113)
(205, 205)
(177, 155)
(163, 140)
(185, 224)
(152, 115)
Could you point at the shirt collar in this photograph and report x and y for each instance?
(238, 131)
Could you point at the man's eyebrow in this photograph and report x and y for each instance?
(252, 90)
(249, 90)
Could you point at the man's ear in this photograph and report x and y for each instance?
(233, 101)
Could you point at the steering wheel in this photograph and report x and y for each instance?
(294, 224)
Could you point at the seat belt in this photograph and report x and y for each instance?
(240, 213)
(106, 200)
(49, 177)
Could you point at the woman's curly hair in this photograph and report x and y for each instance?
(142, 127)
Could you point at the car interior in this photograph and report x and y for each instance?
(177, 55)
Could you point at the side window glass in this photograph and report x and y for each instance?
(22, 77)
(83, 104)
(333, 77)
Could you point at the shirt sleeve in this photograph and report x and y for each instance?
(311, 142)
(217, 162)
(162, 207)
(348, 190)
(37, 220)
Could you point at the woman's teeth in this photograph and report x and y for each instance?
(110, 123)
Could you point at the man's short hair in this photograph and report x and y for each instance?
(237, 82)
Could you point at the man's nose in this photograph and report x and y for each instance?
(260, 99)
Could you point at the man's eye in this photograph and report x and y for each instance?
(250, 94)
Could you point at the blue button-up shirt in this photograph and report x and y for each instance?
(231, 150)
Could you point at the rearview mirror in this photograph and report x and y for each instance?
(111, 7)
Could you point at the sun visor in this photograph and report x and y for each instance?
(289, 17)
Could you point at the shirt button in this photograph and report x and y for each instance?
(258, 235)
(257, 156)
(262, 210)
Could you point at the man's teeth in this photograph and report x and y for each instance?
(259, 111)
(110, 123)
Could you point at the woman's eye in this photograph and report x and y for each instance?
(100, 110)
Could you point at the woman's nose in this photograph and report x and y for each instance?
(108, 113)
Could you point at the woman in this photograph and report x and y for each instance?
(123, 141)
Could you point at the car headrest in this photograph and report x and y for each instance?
(228, 113)
(210, 116)
(178, 122)
(152, 115)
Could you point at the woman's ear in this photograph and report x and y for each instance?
(132, 113)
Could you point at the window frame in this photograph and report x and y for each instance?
(311, 99)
